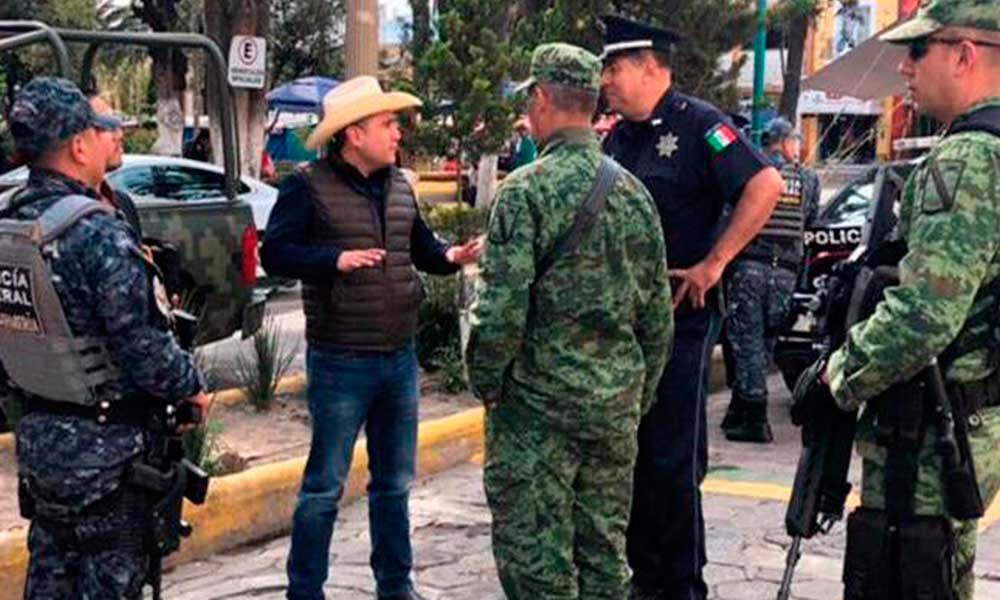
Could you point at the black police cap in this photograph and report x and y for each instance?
(622, 35)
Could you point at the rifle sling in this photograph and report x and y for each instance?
(585, 217)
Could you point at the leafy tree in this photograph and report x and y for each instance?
(461, 78)
(795, 17)
(306, 38)
(710, 28)
(225, 19)
(170, 67)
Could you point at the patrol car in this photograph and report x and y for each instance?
(837, 230)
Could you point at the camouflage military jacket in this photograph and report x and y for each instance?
(584, 347)
(105, 291)
(952, 229)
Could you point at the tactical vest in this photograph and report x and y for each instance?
(372, 309)
(41, 355)
(780, 240)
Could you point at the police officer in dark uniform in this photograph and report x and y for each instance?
(760, 284)
(77, 459)
(694, 161)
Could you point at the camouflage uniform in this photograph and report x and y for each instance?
(74, 467)
(571, 362)
(953, 258)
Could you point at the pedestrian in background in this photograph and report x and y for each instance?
(348, 226)
(525, 150)
(569, 336)
(694, 161)
(760, 284)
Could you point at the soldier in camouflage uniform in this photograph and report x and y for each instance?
(760, 284)
(566, 365)
(950, 278)
(85, 537)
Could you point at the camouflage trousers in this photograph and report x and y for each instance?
(107, 564)
(984, 442)
(759, 299)
(560, 508)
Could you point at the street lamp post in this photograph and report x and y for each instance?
(759, 62)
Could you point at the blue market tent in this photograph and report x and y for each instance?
(303, 95)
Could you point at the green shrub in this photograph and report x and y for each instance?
(139, 140)
(438, 326)
(202, 446)
(451, 369)
(269, 360)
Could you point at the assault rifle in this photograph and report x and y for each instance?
(170, 478)
(821, 487)
(821, 483)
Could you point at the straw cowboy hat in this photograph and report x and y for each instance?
(352, 101)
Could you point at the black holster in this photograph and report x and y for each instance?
(899, 427)
(909, 560)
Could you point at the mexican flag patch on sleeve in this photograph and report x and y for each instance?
(720, 137)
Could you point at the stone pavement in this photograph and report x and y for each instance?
(450, 520)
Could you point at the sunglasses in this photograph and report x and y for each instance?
(919, 47)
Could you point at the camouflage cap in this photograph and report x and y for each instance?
(48, 110)
(563, 64)
(935, 15)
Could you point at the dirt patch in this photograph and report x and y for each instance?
(252, 438)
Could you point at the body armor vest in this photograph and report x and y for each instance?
(37, 348)
(372, 309)
(780, 240)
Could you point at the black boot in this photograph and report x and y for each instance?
(734, 414)
(754, 427)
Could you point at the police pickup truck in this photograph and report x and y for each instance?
(213, 235)
(837, 230)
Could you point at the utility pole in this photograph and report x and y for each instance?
(361, 38)
(759, 62)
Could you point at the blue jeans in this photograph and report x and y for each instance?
(348, 389)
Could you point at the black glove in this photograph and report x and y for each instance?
(809, 390)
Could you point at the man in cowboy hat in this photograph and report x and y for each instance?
(347, 225)
(694, 162)
(944, 309)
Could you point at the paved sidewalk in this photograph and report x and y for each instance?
(746, 547)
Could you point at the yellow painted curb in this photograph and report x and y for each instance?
(258, 503)
(290, 384)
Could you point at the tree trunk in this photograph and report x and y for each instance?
(421, 27)
(791, 87)
(223, 20)
(169, 73)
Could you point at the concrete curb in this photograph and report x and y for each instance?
(258, 503)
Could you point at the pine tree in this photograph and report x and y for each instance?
(461, 77)
(710, 28)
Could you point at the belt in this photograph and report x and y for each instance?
(132, 412)
(974, 396)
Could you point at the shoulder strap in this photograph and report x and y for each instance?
(586, 216)
(985, 119)
(65, 213)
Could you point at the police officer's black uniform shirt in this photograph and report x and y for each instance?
(693, 161)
